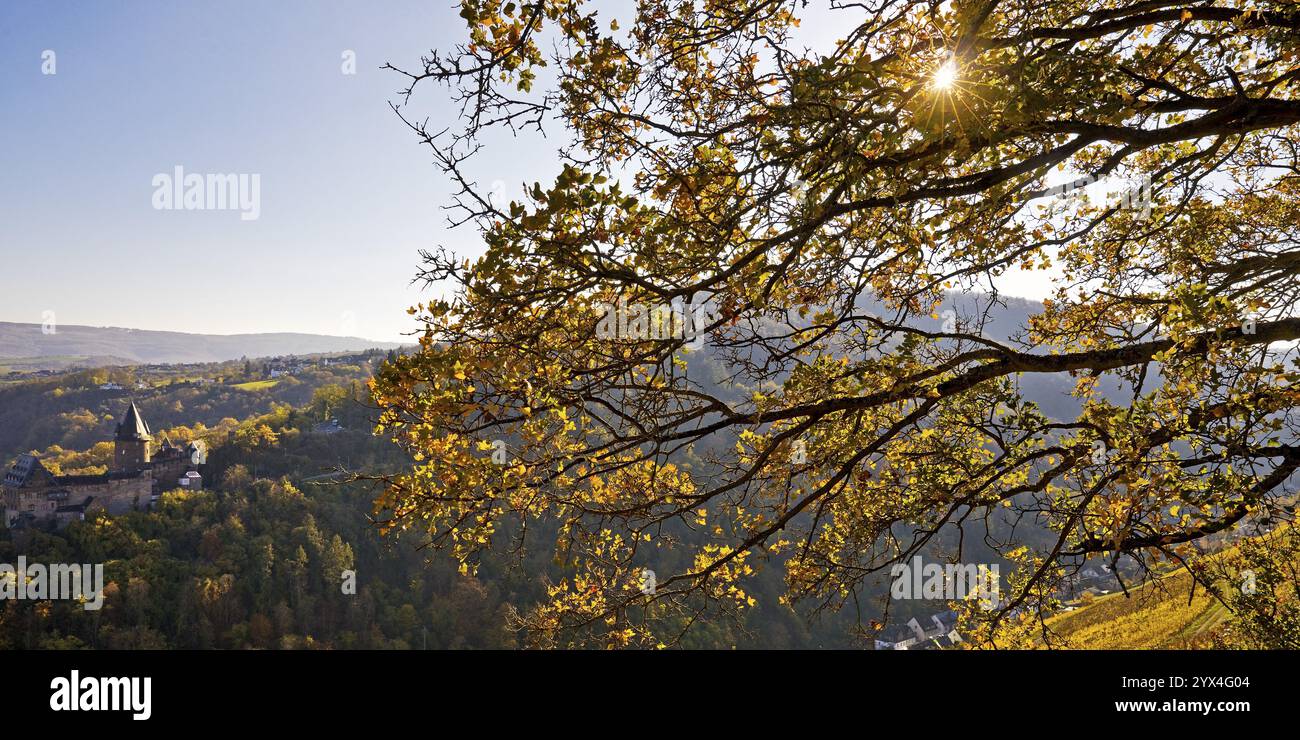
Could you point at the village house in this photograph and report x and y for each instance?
(936, 633)
(327, 427)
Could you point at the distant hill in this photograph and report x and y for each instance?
(56, 363)
(141, 346)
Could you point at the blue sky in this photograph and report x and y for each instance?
(347, 195)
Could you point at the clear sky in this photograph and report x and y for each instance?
(347, 195)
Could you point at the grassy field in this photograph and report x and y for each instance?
(256, 385)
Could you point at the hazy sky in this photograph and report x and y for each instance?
(347, 196)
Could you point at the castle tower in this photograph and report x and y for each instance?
(131, 444)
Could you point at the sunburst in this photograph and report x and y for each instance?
(945, 75)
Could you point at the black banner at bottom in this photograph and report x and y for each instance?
(397, 689)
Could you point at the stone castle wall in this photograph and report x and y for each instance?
(114, 495)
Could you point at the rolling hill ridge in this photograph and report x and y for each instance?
(143, 346)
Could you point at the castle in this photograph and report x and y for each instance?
(32, 494)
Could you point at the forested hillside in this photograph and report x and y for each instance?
(73, 411)
(256, 559)
(258, 565)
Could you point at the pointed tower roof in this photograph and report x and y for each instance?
(133, 426)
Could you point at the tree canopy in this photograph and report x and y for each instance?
(824, 197)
